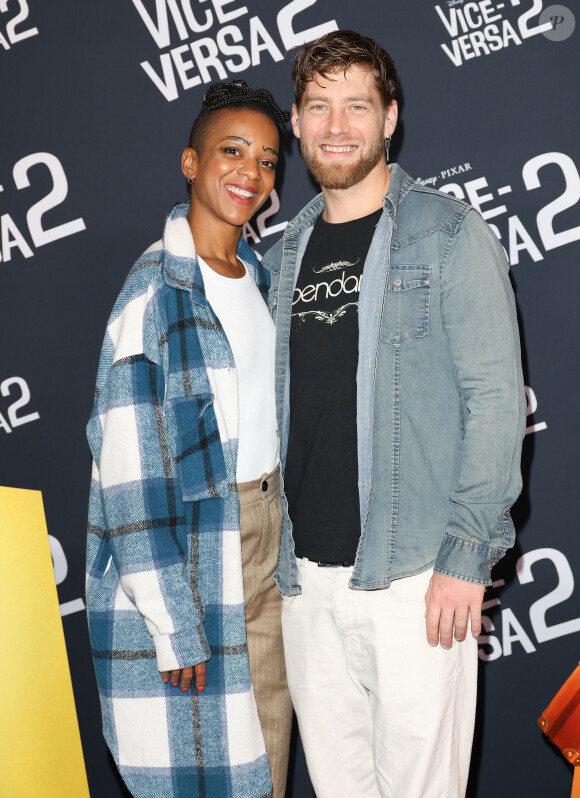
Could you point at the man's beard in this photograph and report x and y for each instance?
(341, 175)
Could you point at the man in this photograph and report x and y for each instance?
(401, 429)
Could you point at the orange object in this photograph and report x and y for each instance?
(561, 722)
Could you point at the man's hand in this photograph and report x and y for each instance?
(450, 603)
(186, 677)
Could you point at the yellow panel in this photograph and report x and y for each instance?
(40, 746)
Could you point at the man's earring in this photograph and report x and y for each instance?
(191, 180)
(387, 147)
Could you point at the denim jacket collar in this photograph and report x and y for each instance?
(399, 186)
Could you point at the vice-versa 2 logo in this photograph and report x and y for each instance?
(208, 40)
(484, 28)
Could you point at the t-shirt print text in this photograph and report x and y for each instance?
(328, 290)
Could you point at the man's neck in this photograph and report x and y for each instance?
(362, 199)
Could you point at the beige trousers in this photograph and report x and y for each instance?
(260, 526)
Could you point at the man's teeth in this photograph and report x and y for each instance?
(346, 148)
(241, 192)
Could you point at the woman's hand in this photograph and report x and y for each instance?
(186, 677)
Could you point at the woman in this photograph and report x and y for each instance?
(183, 436)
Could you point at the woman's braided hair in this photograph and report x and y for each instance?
(238, 96)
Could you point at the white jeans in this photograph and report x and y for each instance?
(380, 712)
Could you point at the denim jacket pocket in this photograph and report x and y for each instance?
(199, 459)
(406, 309)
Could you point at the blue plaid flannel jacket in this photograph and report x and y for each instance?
(164, 570)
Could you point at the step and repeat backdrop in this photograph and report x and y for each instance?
(97, 100)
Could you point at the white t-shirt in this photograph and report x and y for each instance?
(250, 331)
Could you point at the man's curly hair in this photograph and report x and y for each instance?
(336, 52)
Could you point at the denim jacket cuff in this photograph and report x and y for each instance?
(181, 649)
(467, 560)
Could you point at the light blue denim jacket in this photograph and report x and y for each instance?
(440, 396)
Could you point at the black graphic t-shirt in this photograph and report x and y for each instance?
(321, 475)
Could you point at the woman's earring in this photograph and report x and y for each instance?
(191, 180)
(387, 147)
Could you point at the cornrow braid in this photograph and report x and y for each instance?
(238, 96)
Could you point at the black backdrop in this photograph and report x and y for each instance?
(96, 104)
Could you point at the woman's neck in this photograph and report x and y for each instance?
(216, 242)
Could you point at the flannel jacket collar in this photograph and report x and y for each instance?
(180, 267)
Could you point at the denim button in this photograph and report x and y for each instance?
(265, 486)
(397, 281)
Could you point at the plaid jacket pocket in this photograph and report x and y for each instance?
(200, 463)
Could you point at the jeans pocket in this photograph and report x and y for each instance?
(411, 589)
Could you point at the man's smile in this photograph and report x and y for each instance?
(339, 148)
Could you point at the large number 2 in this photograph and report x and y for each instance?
(296, 39)
(536, 9)
(271, 211)
(13, 36)
(13, 416)
(561, 593)
(570, 197)
(40, 236)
